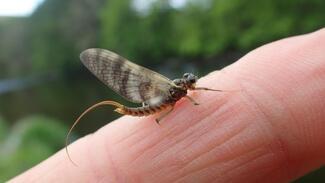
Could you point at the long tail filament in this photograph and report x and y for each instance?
(119, 109)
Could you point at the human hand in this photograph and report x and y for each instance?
(271, 130)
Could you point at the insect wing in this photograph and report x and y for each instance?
(133, 82)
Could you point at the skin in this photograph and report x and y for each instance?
(271, 129)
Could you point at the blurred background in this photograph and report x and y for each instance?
(44, 87)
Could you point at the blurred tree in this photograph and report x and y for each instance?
(158, 38)
(204, 28)
(145, 37)
(13, 53)
(120, 27)
(52, 38)
(60, 30)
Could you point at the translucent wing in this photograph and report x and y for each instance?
(133, 82)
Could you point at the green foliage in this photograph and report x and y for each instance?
(137, 36)
(121, 28)
(205, 28)
(31, 140)
(50, 48)
(52, 38)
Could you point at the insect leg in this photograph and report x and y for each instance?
(192, 100)
(209, 89)
(164, 115)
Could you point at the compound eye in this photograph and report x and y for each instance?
(192, 80)
(186, 75)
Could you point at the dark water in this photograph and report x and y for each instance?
(63, 98)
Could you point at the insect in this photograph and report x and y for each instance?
(137, 84)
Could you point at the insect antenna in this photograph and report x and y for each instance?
(118, 106)
(210, 89)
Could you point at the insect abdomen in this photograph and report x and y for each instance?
(141, 111)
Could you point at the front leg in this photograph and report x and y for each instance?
(192, 100)
(209, 89)
(164, 115)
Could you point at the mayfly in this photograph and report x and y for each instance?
(137, 84)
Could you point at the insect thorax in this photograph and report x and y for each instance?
(177, 93)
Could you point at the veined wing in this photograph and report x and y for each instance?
(133, 82)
